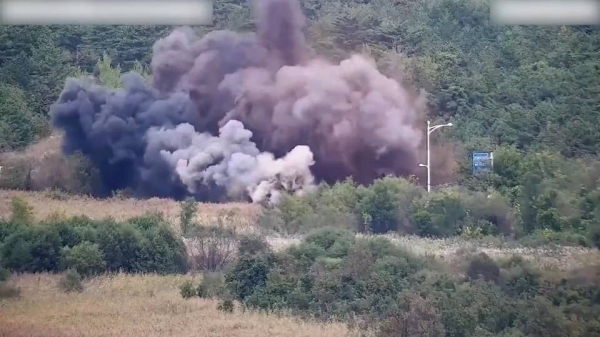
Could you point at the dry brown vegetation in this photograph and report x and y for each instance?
(44, 204)
(136, 305)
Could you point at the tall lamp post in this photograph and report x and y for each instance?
(430, 129)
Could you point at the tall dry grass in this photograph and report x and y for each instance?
(242, 215)
(136, 305)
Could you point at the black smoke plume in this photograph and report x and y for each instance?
(233, 115)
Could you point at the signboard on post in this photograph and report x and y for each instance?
(482, 162)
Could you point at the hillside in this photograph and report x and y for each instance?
(266, 175)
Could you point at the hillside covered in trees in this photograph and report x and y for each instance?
(530, 94)
(535, 88)
(516, 247)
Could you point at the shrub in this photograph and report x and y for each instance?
(328, 206)
(293, 210)
(86, 258)
(483, 266)
(542, 237)
(212, 285)
(187, 214)
(149, 221)
(187, 290)
(307, 220)
(541, 318)
(520, 278)
(22, 211)
(72, 230)
(226, 305)
(56, 194)
(417, 317)
(490, 213)
(121, 245)
(374, 281)
(145, 244)
(31, 249)
(248, 275)
(7, 228)
(252, 245)
(341, 197)
(162, 251)
(335, 242)
(212, 248)
(71, 281)
(378, 205)
(442, 215)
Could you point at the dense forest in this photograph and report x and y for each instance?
(535, 88)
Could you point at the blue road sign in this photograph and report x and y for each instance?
(482, 162)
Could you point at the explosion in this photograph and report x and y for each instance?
(242, 116)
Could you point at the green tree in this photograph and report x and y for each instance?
(86, 258)
(19, 126)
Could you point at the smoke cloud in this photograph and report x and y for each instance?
(229, 116)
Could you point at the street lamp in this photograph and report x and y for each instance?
(430, 129)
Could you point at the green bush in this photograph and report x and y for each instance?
(519, 278)
(121, 245)
(22, 211)
(19, 125)
(334, 242)
(416, 317)
(149, 221)
(247, 276)
(7, 228)
(253, 245)
(72, 230)
(491, 213)
(187, 290)
(187, 214)
(162, 251)
(378, 205)
(86, 258)
(71, 281)
(226, 305)
(442, 215)
(295, 214)
(341, 196)
(212, 285)
(482, 266)
(145, 244)
(31, 249)
(543, 237)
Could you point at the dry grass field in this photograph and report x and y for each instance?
(242, 215)
(151, 305)
(135, 305)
